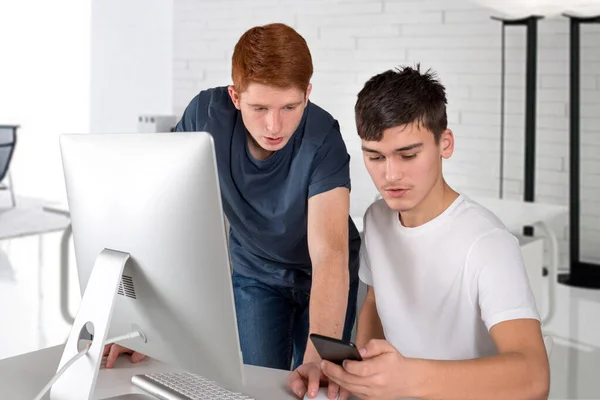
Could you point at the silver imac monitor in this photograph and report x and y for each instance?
(156, 197)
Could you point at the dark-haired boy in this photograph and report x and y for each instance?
(449, 312)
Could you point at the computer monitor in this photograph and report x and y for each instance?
(156, 197)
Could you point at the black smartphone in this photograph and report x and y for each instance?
(335, 350)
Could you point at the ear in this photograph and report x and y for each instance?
(308, 90)
(446, 144)
(235, 97)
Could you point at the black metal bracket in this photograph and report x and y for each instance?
(581, 274)
(530, 106)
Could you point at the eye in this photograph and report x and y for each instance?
(378, 158)
(290, 108)
(259, 108)
(408, 156)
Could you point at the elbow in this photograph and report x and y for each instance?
(539, 388)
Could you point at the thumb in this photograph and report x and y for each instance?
(376, 347)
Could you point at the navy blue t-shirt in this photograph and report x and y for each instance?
(266, 202)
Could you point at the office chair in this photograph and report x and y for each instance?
(8, 141)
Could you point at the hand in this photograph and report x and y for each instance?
(112, 351)
(384, 374)
(308, 378)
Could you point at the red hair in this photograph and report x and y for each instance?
(274, 55)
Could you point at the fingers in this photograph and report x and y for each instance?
(350, 383)
(333, 390)
(314, 381)
(362, 368)
(336, 373)
(296, 383)
(137, 357)
(113, 353)
(376, 347)
(106, 349)
(344, 394)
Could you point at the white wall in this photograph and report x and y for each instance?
(44, 86)
(131, 62)
(351, 40)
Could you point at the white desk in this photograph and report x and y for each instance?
(29, 217)
(33, 216)
(516, 214)
(22, 377)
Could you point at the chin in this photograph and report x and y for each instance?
(400, 205)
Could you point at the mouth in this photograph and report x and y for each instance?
(274, 141)
(396, 192)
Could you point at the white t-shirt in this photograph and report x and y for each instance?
(441, 286)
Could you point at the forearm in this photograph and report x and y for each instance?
(505, 376)
(328, 300)
(369, 324)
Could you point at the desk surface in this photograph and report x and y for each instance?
(28, 217)
(515, 214)
(22, 377)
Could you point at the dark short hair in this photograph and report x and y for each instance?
(400, 97)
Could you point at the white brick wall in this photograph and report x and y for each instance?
(351, 40)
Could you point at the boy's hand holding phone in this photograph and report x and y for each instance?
(307, 378)
(384, 374)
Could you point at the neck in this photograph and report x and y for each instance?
(256, 151)
(439, 198)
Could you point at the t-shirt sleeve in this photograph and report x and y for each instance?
(332, 165)
(188, 120)
(499, 282)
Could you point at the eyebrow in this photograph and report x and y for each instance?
(401, 149)
(287, 105)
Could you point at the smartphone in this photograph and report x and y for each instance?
(335, 350)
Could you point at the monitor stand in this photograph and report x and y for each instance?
(79, 381)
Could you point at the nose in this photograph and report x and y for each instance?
(393, 169)
(274, 124)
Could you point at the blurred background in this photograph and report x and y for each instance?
(78, 66)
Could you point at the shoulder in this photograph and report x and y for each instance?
(320, 126)
(216, 100)
(476, 219)
(378, 214)
(207, 106)
(487, 234)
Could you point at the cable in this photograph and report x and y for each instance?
(83, 352)
(59, 373)
(130, 335)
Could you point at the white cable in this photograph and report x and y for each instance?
(59, 373)
(130, 335)
(83, 352)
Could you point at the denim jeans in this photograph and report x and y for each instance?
(273, 322)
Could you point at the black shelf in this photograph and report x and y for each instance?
(582, 274)
(530, 24)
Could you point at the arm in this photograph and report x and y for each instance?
(501, 289)
(519, 371)
(328, 248)
(369, 324)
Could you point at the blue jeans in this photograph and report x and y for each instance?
(273, 322)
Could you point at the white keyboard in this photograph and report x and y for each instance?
(183, 386)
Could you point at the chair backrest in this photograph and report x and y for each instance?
(8, 140)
